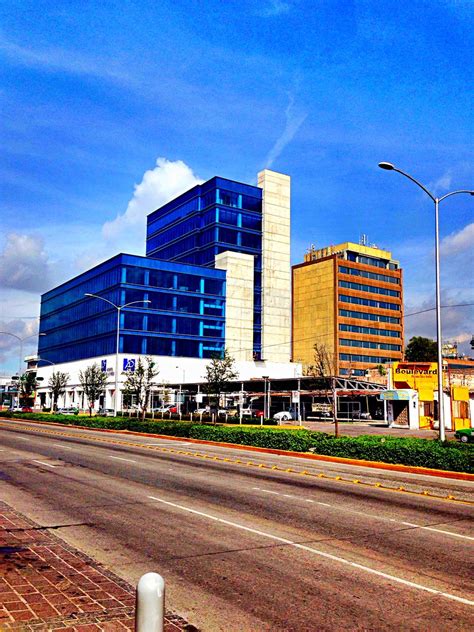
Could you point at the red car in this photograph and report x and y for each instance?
(26, 409)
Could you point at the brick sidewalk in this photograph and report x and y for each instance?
(45, 584)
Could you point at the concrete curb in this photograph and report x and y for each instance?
(406, 469)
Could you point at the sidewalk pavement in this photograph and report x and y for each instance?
(45, 584)
(357, 428)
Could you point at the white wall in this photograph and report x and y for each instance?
(171, 371)
(276, 267)
(239, 303)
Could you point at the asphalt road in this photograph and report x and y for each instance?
(246, 547)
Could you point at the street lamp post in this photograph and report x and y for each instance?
(117, 339)
(265, 378)
(388, 166)
(21, 341)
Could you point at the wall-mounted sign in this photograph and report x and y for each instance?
(103, 365)
(129, 364)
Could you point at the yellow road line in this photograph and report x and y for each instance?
(338, 478)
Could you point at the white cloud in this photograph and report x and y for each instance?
(10, 346)
(294, 120)
(274, 8)
(24, 263)
(158, 186)
(459, 242)
(443, 183)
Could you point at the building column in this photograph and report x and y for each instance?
(276, 266)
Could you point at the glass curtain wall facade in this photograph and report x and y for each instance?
(186, 316)
(211, 218)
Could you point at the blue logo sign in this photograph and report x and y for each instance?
(129, 364)
(103, 365)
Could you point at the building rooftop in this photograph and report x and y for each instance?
(370, 251)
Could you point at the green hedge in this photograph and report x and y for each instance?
(401, 450)
(406, 451)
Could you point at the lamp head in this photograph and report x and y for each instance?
(386, 165)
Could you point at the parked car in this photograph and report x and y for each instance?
(285, 415)
(15, 409)
(249, 412)
(165, 409)
(465, 435)
(26, 409)
(204, 410)
(68, 410)
(106, 412)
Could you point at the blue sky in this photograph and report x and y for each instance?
(94, 93)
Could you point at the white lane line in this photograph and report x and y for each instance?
(119, 458)
(368, 515)
(329, 556)
(24, 438)
(64, 447)
(456, 535)
(43, 463)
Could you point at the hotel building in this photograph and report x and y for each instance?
(349, 299)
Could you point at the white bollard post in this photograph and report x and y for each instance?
(150, 603)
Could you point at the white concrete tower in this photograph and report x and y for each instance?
(276, 268)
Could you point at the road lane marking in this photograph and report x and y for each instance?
(43, 463)
(119, 458)
(368, 515)
(309, 549)
(24, 438)
(443, 531)
(64, 447)
(235, 461)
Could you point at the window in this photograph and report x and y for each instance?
(368, 288)
(365, 316)
(228, 198)
(367, 344)
(347, 357)
(369, 261)
(371, 331)
(369, 275)
(370, 303)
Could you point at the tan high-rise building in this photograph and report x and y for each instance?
(349, 300)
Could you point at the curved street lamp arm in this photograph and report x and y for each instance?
(416, 182)
(455, 193)
(102, 299)
(133, 303)
(7, 333)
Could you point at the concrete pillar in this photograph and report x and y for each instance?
(276, 266)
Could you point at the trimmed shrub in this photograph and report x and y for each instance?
(401, 450)
(428, 453)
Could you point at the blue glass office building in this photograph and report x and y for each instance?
(217, 216)
(180, 276)
(185, 316)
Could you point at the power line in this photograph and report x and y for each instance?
(431, 309)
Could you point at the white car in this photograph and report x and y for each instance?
(203, 411)
(67, 411)
(285, 415)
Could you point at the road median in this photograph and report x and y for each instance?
(409, 455)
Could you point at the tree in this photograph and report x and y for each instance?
(219, 372)
(325, 367)
(57, 385)
(93, 381)
(139, 382)
(324, 362)
(421, 349)
(28, 386)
